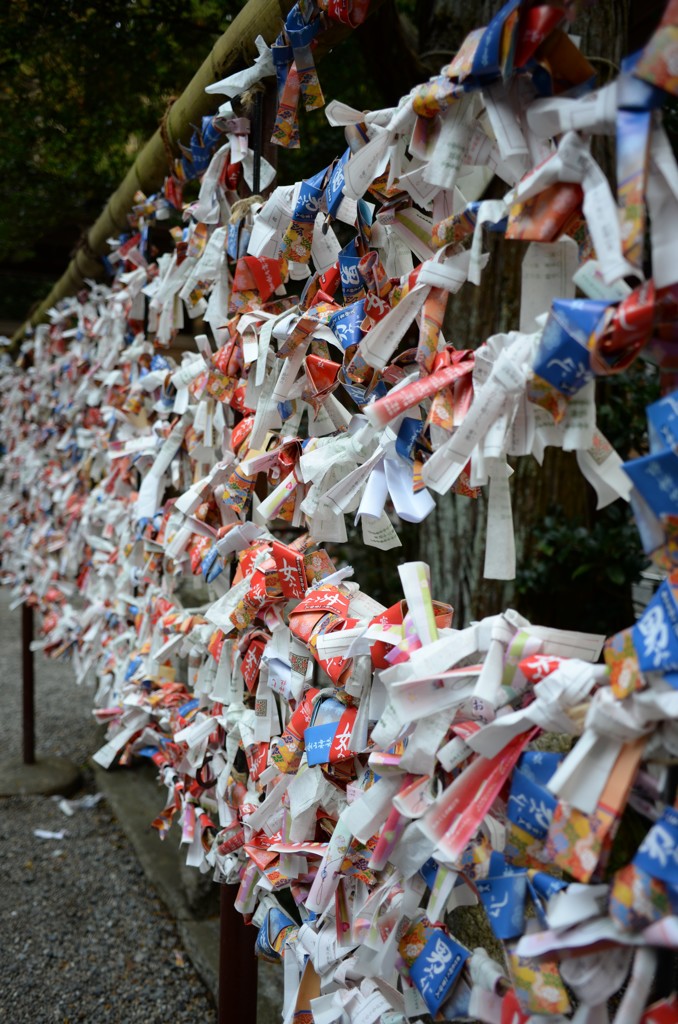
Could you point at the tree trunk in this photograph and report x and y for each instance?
(452, 539)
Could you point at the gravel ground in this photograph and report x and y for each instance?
(82, 935)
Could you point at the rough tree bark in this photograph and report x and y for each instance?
(452, 539)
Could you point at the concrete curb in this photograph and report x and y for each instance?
(46, 777)
(135, 798)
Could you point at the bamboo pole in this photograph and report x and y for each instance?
(235, 49)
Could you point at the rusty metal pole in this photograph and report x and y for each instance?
(28, 775)
(237, 963)
(28, 683)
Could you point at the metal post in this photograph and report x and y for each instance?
(237, 963)
(28, 682)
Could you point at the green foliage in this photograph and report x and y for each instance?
(82, 88)
(579, 577)
(620, 407)
(631, 833)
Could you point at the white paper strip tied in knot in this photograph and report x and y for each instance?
(594, 113)
(662, 202)
(565, 687)
(494, 635)
(237, 83)
(379, 344)
(208, 207)
(495, 403)
(572, 162)
(370, 161)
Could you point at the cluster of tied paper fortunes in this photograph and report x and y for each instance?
(362, 771)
